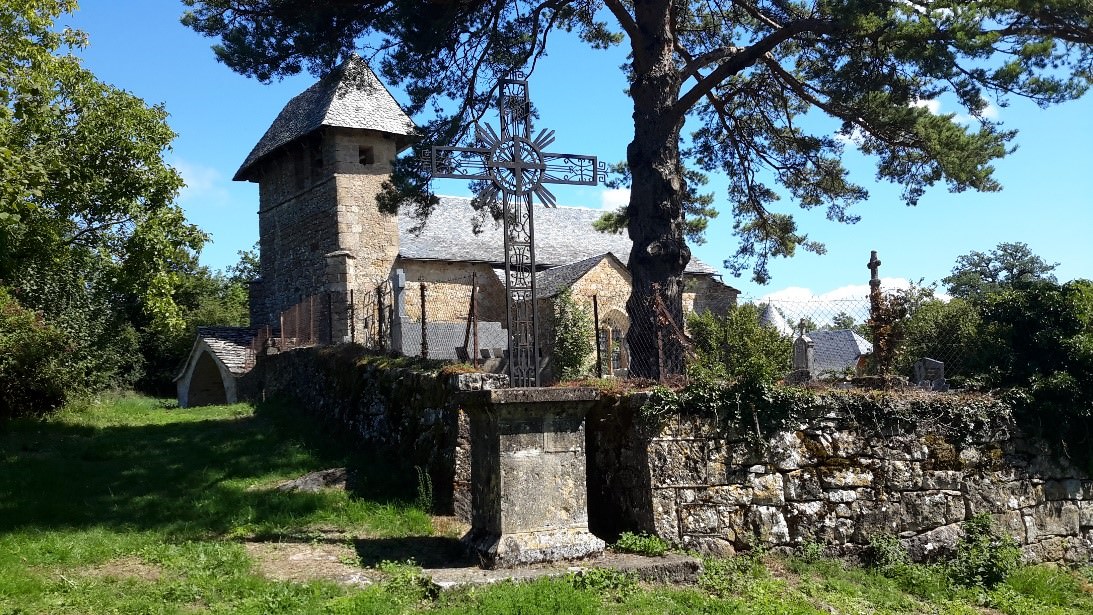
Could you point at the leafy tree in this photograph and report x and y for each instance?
(946, 331)
(90, 237)
(1040, 336)
(737, 346)
(978, 274)
(842, 320)
(747, 71)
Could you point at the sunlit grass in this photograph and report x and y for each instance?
(132, 505)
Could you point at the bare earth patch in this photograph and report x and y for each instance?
(124, 568)
(450, 526)
(302, 562)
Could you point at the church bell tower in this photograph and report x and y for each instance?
(319, 168)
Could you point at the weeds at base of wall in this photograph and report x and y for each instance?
(614, 583)
(641, 544)
(424, 498)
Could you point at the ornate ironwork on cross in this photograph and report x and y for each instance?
(516, 166)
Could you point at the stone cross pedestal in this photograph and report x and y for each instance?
(529, 497)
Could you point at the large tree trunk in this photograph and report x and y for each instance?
(660, 253)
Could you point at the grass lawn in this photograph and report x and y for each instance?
(136, 506)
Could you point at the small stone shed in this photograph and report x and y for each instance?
(219, 358)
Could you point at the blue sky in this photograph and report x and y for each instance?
(139, 46)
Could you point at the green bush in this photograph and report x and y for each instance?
(885, 552)
(574, 335)
(36, 374)
(642, 544)
(737, 346)
(984, 555)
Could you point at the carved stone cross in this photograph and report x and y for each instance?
(515, 165)
(874, 266)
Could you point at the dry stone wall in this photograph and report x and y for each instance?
(832, 480)
(406, 409)
(837, 475)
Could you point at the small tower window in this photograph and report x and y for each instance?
(367, 155)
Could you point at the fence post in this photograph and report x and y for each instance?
(661, 366)
(379, 318)
(474, 314)
(352, 317)
(311, 320)
(281, 320)
(596, 324)
(424, 324)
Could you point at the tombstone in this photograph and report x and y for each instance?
(804, 360)
(930, 374)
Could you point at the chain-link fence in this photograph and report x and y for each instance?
(442, 319)
(840, 335)
(459, 318)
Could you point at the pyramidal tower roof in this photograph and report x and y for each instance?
(351, 96)
(771, 318)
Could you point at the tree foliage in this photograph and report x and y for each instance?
(978, 274)
(574, 337)
(737, 346)
(35, 375)
(748, 72)
(91, 240)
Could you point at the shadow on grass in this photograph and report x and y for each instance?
(425, 551)
(186, 479)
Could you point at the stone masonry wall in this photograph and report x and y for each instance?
(448, 290)
(830, 480)
(317, 196)
(408, 410)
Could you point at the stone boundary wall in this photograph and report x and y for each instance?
(827, 477)
(410, 411)
(831, 480)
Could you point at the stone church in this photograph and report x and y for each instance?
(319, 168)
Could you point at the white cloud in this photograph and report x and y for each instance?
(989, 112)
(204, 185)
(933, 105)
(614, 198)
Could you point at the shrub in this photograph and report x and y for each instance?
(737, 346)
(985, 556)
(884, 553)
(573, 337)
(642, 544)
(36, 376)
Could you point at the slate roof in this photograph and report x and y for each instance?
(838, 350)
(232, 345)
(553, 281)
(563, 235)
(349, 97)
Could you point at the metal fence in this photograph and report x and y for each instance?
(450, 319)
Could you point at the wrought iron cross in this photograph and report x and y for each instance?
(516, 166)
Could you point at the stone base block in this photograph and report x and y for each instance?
(510, 550)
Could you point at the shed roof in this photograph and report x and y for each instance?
(351, 96)
(231, 345)
(563, 235)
